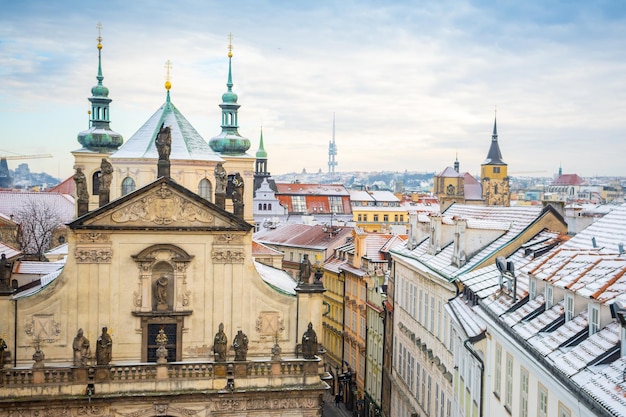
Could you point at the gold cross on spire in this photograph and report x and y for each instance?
(168, 67)
(230, 45)
(99, 27)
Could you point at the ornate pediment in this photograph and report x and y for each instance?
(162, 204)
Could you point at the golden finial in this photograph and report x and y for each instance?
(230, 45)
(168, 67)
(99, 27)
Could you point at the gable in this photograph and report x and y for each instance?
(161, 205)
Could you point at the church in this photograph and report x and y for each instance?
(161, 308)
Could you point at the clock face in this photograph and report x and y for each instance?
(450, 189)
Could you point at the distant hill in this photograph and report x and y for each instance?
(24, 179)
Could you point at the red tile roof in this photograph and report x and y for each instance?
(568, 179)
(303, 235)
(311, 189)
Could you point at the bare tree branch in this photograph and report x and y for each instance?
(38, 221)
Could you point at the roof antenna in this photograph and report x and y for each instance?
(593, 242)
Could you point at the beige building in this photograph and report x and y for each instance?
(160, 308)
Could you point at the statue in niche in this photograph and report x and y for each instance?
(163, 143)
(220, 343)
(240, 344)
(304, 272)
(221, 178)
(82, 352)
(309, 343)
(6, 267)
(161, 292)
(104, 346)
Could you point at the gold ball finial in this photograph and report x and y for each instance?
(230, 45)
(99, 39)
(168, 68)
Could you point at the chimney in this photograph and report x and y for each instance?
(459, 256)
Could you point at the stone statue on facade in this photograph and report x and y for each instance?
(163, 143)
(82, 194)
(221, 178)
(240, 344)
(220, 344)
(106, 175)
(6, 267)
(309, 343)
(82, 352)
(161, 353)
(304, 272)
(104, 348)
(161, 293)
(237, 195)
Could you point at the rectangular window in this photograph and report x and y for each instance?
(402, 217)
(428, 394)
(426, 310)
(385, 217)
(549, 296)
(417, 382)
(298, 204)
(365, 217)
(432, 313)
(375, 217)
(569, 306)
(363, 327)
(496, 170)
(395, 217)
(497, 380)
(413, 301)
(594, 318)
(360, 218)
(523, 400)
(354, 322)
(419, 307)
(564, 411)
(508, 393)
(439, 318)
(336, 204)
(423, 385)
(542, 401)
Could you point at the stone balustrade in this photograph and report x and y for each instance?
(168, 377)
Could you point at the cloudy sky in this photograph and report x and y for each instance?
(412, 83)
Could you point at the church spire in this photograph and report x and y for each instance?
(230, 142)
(99, 136)
(494, 157)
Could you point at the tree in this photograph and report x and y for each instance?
(38, 222)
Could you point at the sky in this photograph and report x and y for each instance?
(411, 84)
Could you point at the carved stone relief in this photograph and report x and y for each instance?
(93, 237)
(162, 207)
(93, 254)
(228, 255)
(229, 238)
(43, 327)
(269, 323)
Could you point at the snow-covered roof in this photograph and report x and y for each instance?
(12, 202)
(276, 278)
(187, 144)
(43, 283)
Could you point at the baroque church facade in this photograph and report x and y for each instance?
(160, 308)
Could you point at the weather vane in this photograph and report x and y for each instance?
(230, 45)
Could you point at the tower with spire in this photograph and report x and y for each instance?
(260, 166)
(98, 141)
(494, 175)
(332, 151)
(231, 146)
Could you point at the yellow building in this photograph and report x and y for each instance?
(378, 211)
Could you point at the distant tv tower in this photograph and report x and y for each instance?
(332, 151)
